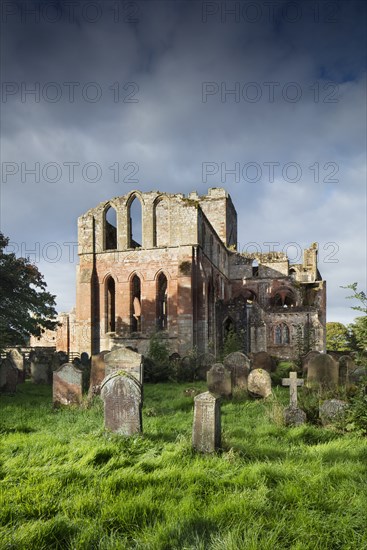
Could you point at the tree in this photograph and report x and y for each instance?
(358, 329)
(26, 308)
(337, 337)
(358, 333)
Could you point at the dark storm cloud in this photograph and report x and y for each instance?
(299, 97)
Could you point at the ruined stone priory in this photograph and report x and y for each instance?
(180, 273)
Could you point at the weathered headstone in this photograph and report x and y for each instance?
(357, 375)
(206, 431)
(67, 385)
(307, 358)
(293, 415)
(322, 372)
(17, 359)
(122, 396)
(332, 411)
(205, 362)
(259, 383)
(293, 382)
(238, 365)
(219, 380)
(97, 374)
(264, 361)
(8, 377)
(346, 366)
(122, 358)
(40, 369)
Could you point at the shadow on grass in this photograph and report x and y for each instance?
(4, 430)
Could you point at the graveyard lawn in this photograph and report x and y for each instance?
(66, 484)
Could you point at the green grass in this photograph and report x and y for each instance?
(66, 484)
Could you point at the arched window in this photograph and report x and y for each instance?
(161, 223)
(285, 334)
(203, 236)
(110, 229)
(283, 298)
(135, 223)
(162, 314)
(255, 268)
(249, 296)
(211, 308)
(135, 304)
(281, 334)
(110, 305)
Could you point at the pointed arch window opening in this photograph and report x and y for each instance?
(135, 217)
(110, 229)
(162, 302)
(135, 304)
(281, 334)
(111, 305)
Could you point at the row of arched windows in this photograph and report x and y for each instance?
(281, 334)
(136, 306)
(135, 225)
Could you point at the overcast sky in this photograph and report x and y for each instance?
(266, 99)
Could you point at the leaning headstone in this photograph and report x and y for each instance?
(357, 375)
(259, 383)
(125, 359)
(346, 366)
(122, 396)
(205, 362)
(238, 365)
(323, 372)
(67, 385)
(307, 358)
(332, 411)
(219, 380)
(97, 373)
(17, 359)
(8, 377)
(206, 431)
(264, 361)
(293, 415)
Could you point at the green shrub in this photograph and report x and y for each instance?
(356, 416)
(282, 371)
(157, 366)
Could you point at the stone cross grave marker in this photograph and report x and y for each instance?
(292, 382)
(206, 431)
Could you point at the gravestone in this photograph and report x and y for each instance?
(205, 362)
(219, 380)
(259, 383)
(238, 365)
(293, 382)
(122, 396)
(97, 373)
(206, 431)
(264, 361)
(322, 372)
(346, 366)
(125, 359)
(67, 385)
(40, 368)
(17, 359)
(307, 358)
(357, 375)
(293, 415)
(8, 377)
(332, 411)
